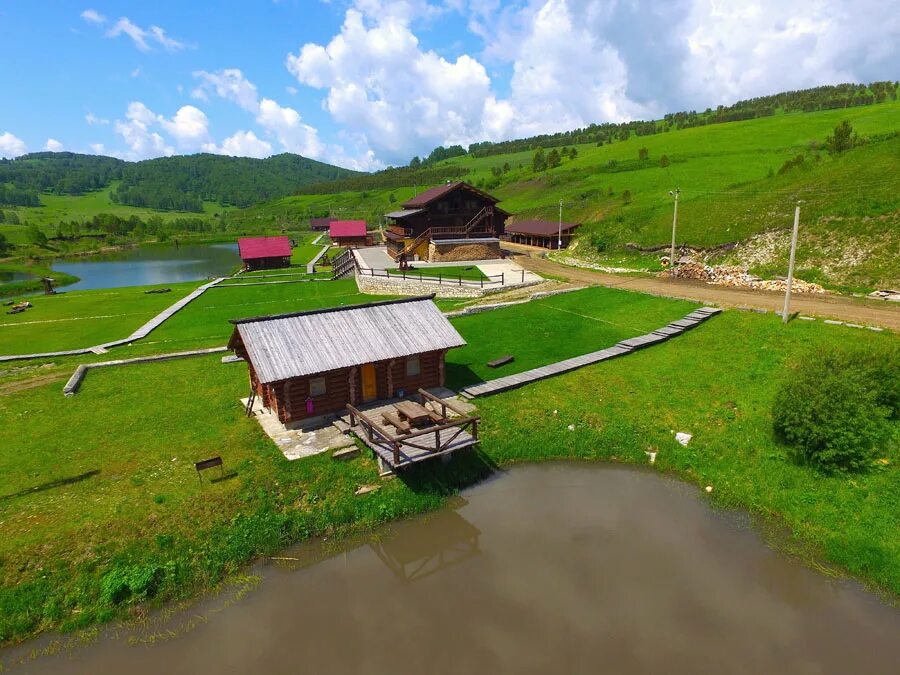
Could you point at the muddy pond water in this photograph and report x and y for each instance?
(563, 568)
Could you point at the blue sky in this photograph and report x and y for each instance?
(368, 83)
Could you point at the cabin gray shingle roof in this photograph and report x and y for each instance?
(306, 343)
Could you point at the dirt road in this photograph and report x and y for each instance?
(851, 310)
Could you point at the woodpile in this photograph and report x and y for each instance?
(738, 277)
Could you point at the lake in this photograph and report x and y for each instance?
(154, 264)
(569, 568)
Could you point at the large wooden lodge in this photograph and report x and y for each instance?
(450, 222)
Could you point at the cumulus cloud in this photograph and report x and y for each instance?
(11, 146)
(282, 123)
(575, 62)
(136, 132)
(241, 144)
(92, 119)
(53, 145)
(93, 16)
(143, 37)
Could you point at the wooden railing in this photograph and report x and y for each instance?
(463, 422)
(421, 274)
(343, 265)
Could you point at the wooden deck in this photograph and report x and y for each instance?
(695, 318)
(398, 450)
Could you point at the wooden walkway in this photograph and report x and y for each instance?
(695, 318)
(140, 333)
(311, 265)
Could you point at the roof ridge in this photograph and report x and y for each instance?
(326, 310)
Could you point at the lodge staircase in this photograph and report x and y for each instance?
(465, 231)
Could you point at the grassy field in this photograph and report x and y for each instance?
(451, 272)
(109, 512)
(78, 319)
(56, 208)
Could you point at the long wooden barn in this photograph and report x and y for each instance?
(314, 363)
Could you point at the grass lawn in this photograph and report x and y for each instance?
(555, 328)
(204, 323)
(464, 272)
(99, 502)
(77, 319)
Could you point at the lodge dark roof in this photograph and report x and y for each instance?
(320, 223)
(544, 228)
(305, 343)
(425, 198)
(251, 248)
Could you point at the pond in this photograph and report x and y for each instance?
(6, 276)
(155, 264)
(550, 568)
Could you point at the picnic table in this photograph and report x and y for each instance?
(414, 412)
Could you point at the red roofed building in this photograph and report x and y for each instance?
(349, 233)
(545, 233)
(455, 221)
(265, 253)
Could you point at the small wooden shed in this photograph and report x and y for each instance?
(313, 363)
(265, 253)
(545, 233)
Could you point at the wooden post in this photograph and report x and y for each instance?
(441, 376)
(351, 380)
(475, 429)
(396, 453)
(437, 441)
(390, 378)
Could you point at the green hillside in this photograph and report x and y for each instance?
(733, 186)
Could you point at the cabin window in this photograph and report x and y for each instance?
(317, 386)
(413, 366)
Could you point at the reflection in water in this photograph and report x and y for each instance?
(552, 568)
(419, 548)
(156, 264)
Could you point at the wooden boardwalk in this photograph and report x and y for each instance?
(695, 318)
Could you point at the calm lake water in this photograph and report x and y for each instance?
(156, 264)
(554, 568)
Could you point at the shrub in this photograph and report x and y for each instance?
(835, 407)
(600, 242)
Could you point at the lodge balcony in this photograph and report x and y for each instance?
(402, 433)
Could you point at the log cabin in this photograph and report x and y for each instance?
(314, 363)
(543, 233)
(264, 253)
(320, 224)
(349, 233)
(451, 222)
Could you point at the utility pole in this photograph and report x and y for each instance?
(559, 236)
(674, 224)
(790, 280)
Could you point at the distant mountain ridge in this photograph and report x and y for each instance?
(169, 183)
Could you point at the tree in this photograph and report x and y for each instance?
(643, 154)
(842, 140)
(664, 161)
(626, 196)
(35, 236)
(573, 153)
(4, 245)
(505, 167)
(553, 159)
(12, 218)
(538, 161)
(392, 198)
(415, 162)
(2, 216)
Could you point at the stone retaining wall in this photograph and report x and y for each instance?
(461, 251)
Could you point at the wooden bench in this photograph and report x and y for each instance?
(502, 361)
(209, 464)
(394, 420)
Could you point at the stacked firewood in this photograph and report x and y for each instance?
(738, 277)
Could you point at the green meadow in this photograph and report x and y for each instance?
(102, 514)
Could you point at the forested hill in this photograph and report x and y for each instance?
(170, 183)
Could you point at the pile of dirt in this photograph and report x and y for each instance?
(737, 277)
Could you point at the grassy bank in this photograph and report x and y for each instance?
(101, 510)
(35, 272)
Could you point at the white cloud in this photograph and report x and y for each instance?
(93, 16)
(10, 146)
(97, 148)
(135, 130)
(575, 62)
(136, 72)
(242, 144)
(291, 90)
(143, 37)
(282, 123)
(53, 145)
(92, 119)
(189, 127)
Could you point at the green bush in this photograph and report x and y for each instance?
(835, 408)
